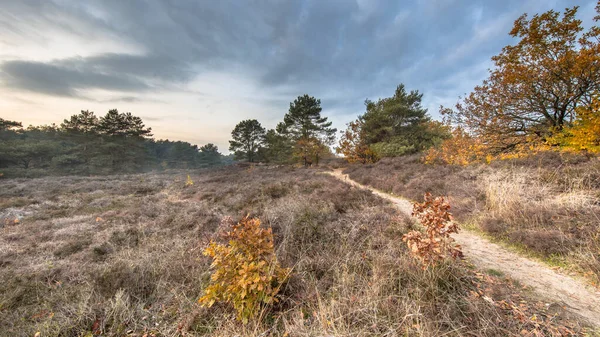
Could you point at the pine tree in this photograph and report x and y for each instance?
(304, 125)
(248, 138)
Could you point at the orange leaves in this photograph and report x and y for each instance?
(308, 150)
(462, 149)
(352, 145)
(435, 244)
(537, 84)
(246, 273)
(8, 222)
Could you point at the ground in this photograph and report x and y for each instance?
(122, 255)
(556, 288)
(546, 207)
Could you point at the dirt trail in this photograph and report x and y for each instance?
(576, 296)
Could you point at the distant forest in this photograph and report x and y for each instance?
(87, 144)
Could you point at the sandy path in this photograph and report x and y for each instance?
(575, 295)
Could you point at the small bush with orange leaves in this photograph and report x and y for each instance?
(435, 244)
(246, 273)
(461, 149)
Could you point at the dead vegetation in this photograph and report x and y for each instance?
(547, 205)
(122, 256)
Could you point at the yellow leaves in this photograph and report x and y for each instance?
(189, 181)
(352, 145)
(537, 85)
(584, 134)
(246, 273)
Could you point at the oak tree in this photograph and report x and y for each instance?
(536, 84)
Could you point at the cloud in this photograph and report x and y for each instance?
(242, 55)
(61, 80)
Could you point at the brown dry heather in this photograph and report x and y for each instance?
(548, 204)
(122, 256)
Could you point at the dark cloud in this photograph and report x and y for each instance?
(57, 78)
(342, 51)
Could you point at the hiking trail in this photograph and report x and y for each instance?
(574, 295)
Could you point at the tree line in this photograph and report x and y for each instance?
(389, 127)
(88, 144)
(542, 94)
(303, 136)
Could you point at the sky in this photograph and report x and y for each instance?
(194, 69)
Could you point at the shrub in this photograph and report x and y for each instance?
(461, 149)
(246, 273)
(189, 181)
(437, 244)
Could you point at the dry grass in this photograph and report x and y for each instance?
(121, 255)
(548, 204)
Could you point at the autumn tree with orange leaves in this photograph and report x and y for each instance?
(537, 85)
(353, 146)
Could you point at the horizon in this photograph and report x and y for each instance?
(192, 71)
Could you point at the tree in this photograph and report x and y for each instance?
(277, 147)
(309, 150)
(9, 125)
(390, 127)
(584, 134)
(461, 149)
(33, 148)
(248, 138)
(353, 145)
(209, 154)
(537, 84)
(399, 124)
(123, 124)
(85, 122)
(303, 124)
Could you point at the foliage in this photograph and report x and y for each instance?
(461, 149)
(189, 181)
(122, 124)
(310, 132)
(584, 134)
(309, 150)
(536, 84)
(209, 155)
(248, 138)
(436, 245)
(278, 147)
(7, 125)
(391, 127)
(246, 273)
(304, 120)
(352, 145)
(85, 144)
(85, 122)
